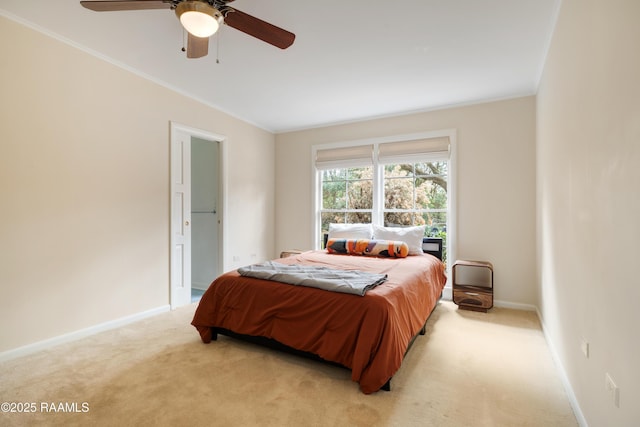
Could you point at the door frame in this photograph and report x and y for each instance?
(179, 171)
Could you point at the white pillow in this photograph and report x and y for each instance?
(412, 236)
(350, 231)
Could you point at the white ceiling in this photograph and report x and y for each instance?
(351, 60)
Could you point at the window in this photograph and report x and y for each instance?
(395, 183)
(416, 194)
(347, 196)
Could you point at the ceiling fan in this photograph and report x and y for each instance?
(201, 19)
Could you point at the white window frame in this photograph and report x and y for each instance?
(378, 180)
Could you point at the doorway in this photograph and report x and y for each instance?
(197, 202)
(205, 155)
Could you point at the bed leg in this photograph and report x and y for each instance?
(386, 386)
(424, 329)
(214, 334)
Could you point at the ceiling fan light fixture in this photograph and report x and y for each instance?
(199, 18)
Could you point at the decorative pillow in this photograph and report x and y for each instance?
(379, 248)
(412, 236)
(350, 231)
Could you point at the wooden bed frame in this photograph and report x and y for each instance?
(430, 245)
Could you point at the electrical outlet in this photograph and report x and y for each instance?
(584, 346)
(236, 258)
(612, 389)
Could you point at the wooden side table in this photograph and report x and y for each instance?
(473, 285)
(290, 252)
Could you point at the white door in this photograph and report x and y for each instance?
(181, 225)
(180, 217)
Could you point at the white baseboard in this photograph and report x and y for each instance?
(72, 336)
(515, 305)
(447, 294)
(573, 400)
(201, 286)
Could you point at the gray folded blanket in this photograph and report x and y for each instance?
(346, 281)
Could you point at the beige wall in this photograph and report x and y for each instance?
(84, 218)
(495, 181)
(84, 179)
(588, 148)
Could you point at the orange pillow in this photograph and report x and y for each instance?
(379, 248)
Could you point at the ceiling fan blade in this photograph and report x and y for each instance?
(258, 28)
(107, 6)
(197, 47)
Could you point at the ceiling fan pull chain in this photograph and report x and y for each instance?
(184, 35)
(218, 46)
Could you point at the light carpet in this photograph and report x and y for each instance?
(470, 369)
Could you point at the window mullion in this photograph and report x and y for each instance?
(415, 191)
(377, 216)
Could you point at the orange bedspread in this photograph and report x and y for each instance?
(368, 334)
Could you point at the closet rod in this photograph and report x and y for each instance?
(209, 212)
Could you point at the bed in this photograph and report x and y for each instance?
(367, 334)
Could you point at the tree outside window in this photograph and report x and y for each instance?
(347, 196)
